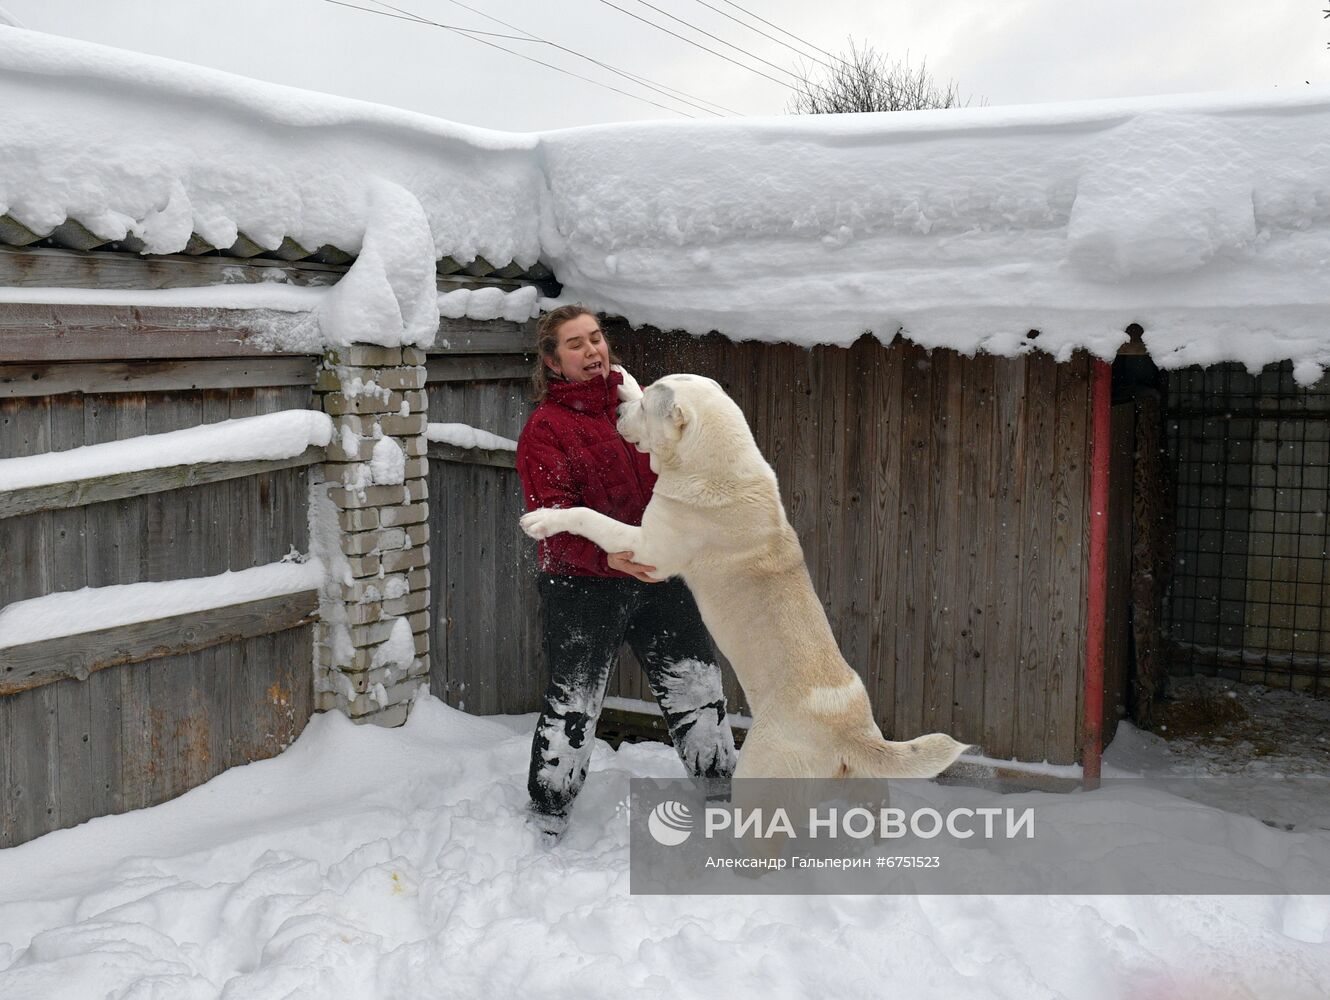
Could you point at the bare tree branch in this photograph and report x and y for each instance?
(864, 80)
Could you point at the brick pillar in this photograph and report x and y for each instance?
(369, 665)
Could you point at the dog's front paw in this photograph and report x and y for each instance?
(542, 523)
(630, 391)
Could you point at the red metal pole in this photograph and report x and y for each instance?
(1101, 399)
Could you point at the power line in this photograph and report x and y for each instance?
(717, 38)
(674, 93)
(471, 33)
(778, 41)
(722, 55)
(413, 17)
(801, 41)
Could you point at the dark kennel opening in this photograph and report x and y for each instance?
(1249, 590)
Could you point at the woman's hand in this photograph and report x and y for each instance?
(623, 562)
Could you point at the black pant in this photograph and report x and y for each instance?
(586, 620)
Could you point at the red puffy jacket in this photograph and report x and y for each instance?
(571, 455)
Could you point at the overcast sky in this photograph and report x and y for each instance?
(1005, 51)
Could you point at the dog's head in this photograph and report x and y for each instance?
(674, 415)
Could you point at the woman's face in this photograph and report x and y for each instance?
(583, 352)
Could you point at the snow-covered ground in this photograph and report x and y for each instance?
(366, 863)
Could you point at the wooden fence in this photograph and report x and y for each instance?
(941, 500)
(164, 705)
(120, 718)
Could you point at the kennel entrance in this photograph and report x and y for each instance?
(1249, 594)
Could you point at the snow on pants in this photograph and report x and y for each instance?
(586, 620)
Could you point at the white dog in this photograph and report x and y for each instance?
(716, 519)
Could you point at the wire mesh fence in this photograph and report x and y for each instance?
(1250, 586)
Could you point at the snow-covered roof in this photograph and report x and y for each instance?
(1205, 219)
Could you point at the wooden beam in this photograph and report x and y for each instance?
(473, 336)
(49, 268)
(63, 332)
(74, 657)
(477, 368)
(81, 492)
(499, 457)
(55, 378)
(44, 268)
(86, 333)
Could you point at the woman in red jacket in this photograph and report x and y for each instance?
(570, 454)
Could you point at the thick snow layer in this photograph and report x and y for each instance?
(389, 295)
(490, 303)
(466, 436)
(269, 436)
(1206, 219)
(134, 144)
(71, 612)
(366, 863)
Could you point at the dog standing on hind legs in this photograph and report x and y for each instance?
(716, 520)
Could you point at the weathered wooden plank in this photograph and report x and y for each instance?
(853, 554)
(882, 399)
(827, 464)
(85, 776)
(31, 804)
(498, 457)
(975, 530)
(30, 333)
(512, 671)
(484, 687)
(247, 668)
(288, 691)
(1117, 657)
(913, 598)
(804, 487)
(479, 685)
(470, 336)
(29, 800)
(1066, 610)
(112, 553)
(38, 267)
(67, 526)
(944, 544)
(477, 367)
(1036, 556)
(25, 429)
(441, 531)
(1002, 565)
(35, 664)
(55, 378)
(459, 564)
(80, 493)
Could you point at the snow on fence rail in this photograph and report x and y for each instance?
(151, 463)
(453, 442)
(73, 633)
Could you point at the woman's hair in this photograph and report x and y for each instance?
(547, 345)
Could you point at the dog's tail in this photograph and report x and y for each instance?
(870, 756)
